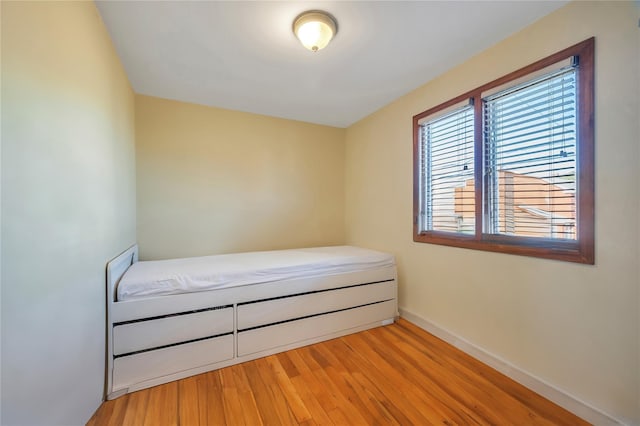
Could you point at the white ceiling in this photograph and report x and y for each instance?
(243, 55)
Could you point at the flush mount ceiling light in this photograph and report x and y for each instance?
(315, 29)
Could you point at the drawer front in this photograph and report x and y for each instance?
(150, 334)
(132, 369)
(272, 311)
(271, 337)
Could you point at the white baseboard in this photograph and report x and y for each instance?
(552, 393)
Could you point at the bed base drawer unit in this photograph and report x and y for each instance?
(152, 333)
(283, 334)
(270, 311)
(133, 369)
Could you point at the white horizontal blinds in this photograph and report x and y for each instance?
(530, 145)
(448, 195)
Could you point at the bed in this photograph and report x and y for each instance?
(171, 319)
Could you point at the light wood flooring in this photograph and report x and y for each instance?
(393, 375)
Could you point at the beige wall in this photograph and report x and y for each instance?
(573, 326)
(68, 205)
(219, 181)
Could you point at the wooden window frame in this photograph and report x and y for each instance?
(580, 250)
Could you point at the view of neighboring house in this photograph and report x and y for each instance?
(528, 206)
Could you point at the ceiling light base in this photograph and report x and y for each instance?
(315, 29)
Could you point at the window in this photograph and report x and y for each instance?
(509, 167)
(446, 165)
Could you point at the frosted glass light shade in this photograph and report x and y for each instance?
(315, 29)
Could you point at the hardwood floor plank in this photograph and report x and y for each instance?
(112, 413)
(312, 393)
(320, 360)
(393, 375)
(337, 417)
(306, 353)
(418, 408)
(466, 395)
(293, 399)
(286, 363)
(310, 401)
(295, 357)
(119, 411)
(250, 409)
(280, 405)
(311, 382)
(232, 405)
(394, 410)
(188, 401)
(210, 401)
(338, 398)
(328, 395)
(103, 414)
(453, 396)
(162, 406)
(265, 404)
(235, 378)
(240, 378)
(378, 383)
(136, 408)
(375, 406)
(476, 372)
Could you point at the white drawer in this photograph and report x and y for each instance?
(271, 337)
(272, 311)
(150, 334)
(131, 369)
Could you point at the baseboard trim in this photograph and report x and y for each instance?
(552, 393)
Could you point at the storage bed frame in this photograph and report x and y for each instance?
(156, 340)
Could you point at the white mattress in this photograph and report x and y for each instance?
(176, 276)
